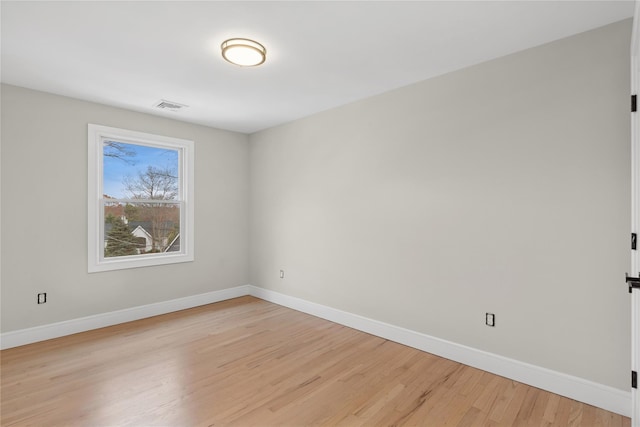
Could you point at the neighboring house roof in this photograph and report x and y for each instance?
(133, 226)
(174, 246)
(139, 231)
(148, 225)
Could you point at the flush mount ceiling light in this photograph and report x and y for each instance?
(243, 52)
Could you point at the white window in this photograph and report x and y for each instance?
(140, 199)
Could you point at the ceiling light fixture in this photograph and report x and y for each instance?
(243, 52)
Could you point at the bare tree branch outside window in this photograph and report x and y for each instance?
(118, 150)
(153, 184)
(156, 183)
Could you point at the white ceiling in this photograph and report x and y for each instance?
(319, 54)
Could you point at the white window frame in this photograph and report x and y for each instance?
(97, 134)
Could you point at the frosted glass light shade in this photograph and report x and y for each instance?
(243, 52)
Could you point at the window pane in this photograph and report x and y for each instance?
(140, 228)
(133, 171)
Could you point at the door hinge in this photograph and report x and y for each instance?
(634, 103)
(634, 379)
(633, 282)
(634, 241)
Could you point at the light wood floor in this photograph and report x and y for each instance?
(249, 362)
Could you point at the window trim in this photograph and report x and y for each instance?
(96, 261)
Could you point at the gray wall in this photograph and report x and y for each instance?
(504, 187)
(44, 212)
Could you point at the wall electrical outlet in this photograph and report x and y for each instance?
(490, 319)
(42, 298)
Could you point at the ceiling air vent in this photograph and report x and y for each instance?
(163, 104)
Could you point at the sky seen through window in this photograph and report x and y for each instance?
(129, 160)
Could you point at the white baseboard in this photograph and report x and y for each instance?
(68, 327)
(595, 394)
(602, 396)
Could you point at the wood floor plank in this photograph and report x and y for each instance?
(507, 392)
(247, 362)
